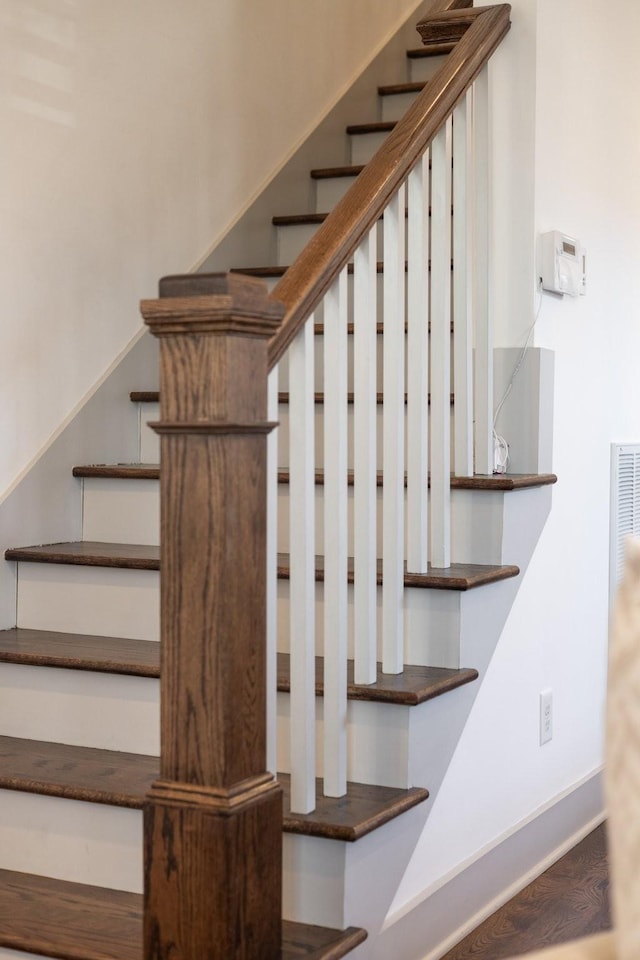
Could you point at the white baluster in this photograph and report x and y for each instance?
(441, 347)
(483, 372)
(335, 538)
(462, 328)
(393, 436)
(364, 459)
(302, 569)
(418, 367)
(272, 572)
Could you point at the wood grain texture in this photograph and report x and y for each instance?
(77, 773)
(90, 553)
(309, 277)
(499, 482)
(74, 651)
(433, 50)
(119, 471)
(569, 900)
(362, 810)
(397, 89)
(459, 576)
(74, 921)
(415, 685)
(377, 126)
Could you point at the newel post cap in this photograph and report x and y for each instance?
(213, 303)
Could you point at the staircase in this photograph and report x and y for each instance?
(79, 715)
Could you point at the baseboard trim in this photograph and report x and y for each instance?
(447, 911)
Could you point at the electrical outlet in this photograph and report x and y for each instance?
(546, 716)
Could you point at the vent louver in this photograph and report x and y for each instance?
(625, 506)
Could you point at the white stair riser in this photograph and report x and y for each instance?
(394, 107)
(364, 145)
(149, 439)
(431, 624)
(283, 436)
(476, 524)
(423, 68)
(102, 846)
(95, 600)
(108, 711)
(121, 511)
(330, 190)
(14, 955)
(378, 738)
(125, 603)
(72, 840)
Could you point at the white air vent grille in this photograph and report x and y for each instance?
(625, 505)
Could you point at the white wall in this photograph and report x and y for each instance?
(133, 135)
(587, 157)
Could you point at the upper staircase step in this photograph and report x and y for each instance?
(398, 89)
(327, 173)
(413, 686)
(71, 651)
(75, 921)
(123, 779)
(497, 481)
(432, 50)
(80, 651)
(377, 126)
(128, 556)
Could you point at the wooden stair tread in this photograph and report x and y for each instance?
(318, 397)
(279, 270)
(497, 481)
(459, 576)
(44, 648)
(431, 50)
(123, 779)
(131, 556)
(365, 808)
(328, 173)
(415, 685)
(91, 553)
(75, 921)
(75, 651)
(376, 126)
(397, 89)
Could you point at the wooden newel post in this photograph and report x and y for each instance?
(213, 821)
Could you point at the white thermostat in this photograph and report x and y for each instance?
(563, 264)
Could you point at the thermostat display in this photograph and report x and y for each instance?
(563, 264)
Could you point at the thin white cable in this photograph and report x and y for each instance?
(520, 359)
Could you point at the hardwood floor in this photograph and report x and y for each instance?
(568, 901)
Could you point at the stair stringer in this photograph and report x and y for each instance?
(369, 872)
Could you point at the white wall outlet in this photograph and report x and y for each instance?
(546, 716)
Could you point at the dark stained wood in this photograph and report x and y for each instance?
(569, 901)
(362, 810)
(125, 780)
(379, 126)
(144, 396)
(90, 553)
(447, 27)
(459, 576)
(75, 651)
(77, 773)
(397, 89)
(309, 277)
(318, 397)
(278, 270)
(413, 686)
(299, 218)
(328, 173)
(497, 481)
(75, 921)
(433, 50)
(213, 819)
(119, 471)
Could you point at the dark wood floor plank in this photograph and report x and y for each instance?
(74, 921)
(570, 900)
(123, 779)
(413, 686)
(76, 651)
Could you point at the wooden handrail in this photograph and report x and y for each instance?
(479, 31)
